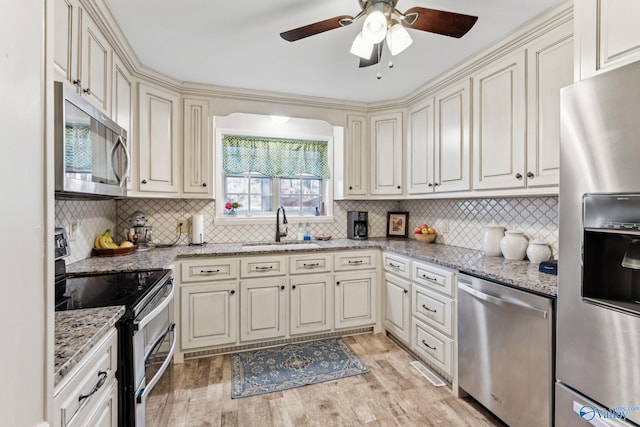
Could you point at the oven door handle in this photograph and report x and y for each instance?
(145, 388)
(139, 324)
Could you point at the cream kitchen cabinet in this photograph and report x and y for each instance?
(88, 395)
(452, 150)
(499, 118)
(385, 135)
(197, 167)
(420, 149)
(311, 301)
(158, 142)
(263, 308)
(355, 299)
(65, 39)
(356, 157)
(607, 35)
(397, 315)
(209, 314)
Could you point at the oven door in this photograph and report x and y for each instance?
(153, 347)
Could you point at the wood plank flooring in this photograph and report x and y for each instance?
(392, 394)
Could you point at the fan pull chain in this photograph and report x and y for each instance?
(379, 75)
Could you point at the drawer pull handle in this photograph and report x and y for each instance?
(103, 377)
(427, 345)
(209, 271)
(433, 279)
(392, 265)
(311, 265)
(428, 309)
(264, 268)
(358, 261)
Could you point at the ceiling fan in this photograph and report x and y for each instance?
(384, 22)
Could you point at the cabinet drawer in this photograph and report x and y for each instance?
(206, 270)
(433, 309)
(310, 263)
(397, 265)
(263, 266)
(433, 346)
(360, 260)
(433, 277)
(97, 368)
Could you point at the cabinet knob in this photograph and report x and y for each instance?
(337, 283)
(87, 91)
(436, 184)
(204, 184)
(350, 187)
(398, 187)
(144, 181)
(282, 288)
(430, 185)
(293, 287)
(77, 82)
(530, 175)
(232, 292)
(518, 176)
(406, 291)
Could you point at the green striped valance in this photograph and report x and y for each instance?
(274, 157)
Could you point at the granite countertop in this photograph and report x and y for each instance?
(76, 332)
(520, 274)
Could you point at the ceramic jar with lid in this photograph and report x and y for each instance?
(514, 245)
(491, 237)
(538, 251)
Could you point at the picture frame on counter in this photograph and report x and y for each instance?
(397, 224)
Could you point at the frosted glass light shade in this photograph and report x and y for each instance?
(398, 39)
(375, 26)
(362, 47)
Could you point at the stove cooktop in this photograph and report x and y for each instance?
(104, 290)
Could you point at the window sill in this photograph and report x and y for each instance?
(292, 219)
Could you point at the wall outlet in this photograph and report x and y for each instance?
(72, 228)
(184, 225)
(445, 226)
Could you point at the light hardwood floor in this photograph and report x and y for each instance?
(392, 394)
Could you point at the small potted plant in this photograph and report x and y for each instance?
(230, 207)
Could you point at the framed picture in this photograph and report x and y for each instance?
(397, 224)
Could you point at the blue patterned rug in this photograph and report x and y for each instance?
(293, 365)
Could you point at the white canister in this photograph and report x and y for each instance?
(491, 237)
(538, 251)
(514, 245)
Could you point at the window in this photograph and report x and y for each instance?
(262, 173)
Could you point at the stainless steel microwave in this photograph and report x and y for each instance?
(91, 155)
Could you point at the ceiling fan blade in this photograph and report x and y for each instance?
(376, 54)
(441, 22)
(316, 28)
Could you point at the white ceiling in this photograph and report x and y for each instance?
(237, 43)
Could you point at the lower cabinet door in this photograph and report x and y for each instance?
(209, 315)
(355, 299)
(263, 313)
(397, 315)
(311, 298)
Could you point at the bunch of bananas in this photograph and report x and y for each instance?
(104, 241)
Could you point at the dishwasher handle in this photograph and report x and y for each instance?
(500, 301)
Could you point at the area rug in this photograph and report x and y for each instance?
(293, 365)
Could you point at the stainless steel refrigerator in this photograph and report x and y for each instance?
(598, 307)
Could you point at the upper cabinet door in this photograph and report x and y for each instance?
(95, 66)
(452, 138)
(356, 156)
(420, 151)
(159, 149)
(607, 35)
(197, 144)
(549, 69)
(499, 124)
(65, 39)
(386, 154)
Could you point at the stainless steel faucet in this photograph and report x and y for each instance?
(284, 221)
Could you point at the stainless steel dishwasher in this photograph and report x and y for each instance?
(505, 350)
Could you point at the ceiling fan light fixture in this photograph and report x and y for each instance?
(398, 38)
(361, 47)
(375, 24)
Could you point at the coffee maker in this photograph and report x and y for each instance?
(357, 225)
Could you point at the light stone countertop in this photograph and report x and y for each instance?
(76, 332)
(519, 274)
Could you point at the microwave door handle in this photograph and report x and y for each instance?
(120, 143)
(145, 389)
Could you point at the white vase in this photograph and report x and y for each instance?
(491, 237)
(514, 245)
(538, 251)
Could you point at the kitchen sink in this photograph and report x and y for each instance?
(262, 246)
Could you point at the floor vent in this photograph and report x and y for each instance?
(428, 374)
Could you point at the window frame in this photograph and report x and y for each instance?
(268, 218)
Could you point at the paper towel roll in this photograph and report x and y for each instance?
(197, 229)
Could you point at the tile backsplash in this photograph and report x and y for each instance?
(464, 218)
